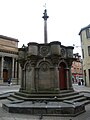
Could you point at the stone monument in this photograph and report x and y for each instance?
(46, 85)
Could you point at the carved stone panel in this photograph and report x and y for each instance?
(44, 81)
(29, 77)
(44, 50)
(32, 48)
(21, 54)
(63, 52)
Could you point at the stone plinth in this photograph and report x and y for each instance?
(51, 108)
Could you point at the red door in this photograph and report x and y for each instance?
(62, 76)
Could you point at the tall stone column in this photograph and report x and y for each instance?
(13, 67)
(18, 73)
(45, 17)
(33, 80)
(57, 78)
(70, 81)
(2, 61)
(36, 81)
(67, 74)
(22, 77)
(16, 69)
(22, 80)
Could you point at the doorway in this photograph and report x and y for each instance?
(62, 77)
(5, 75)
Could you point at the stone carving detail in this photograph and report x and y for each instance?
(55, 60)
(28, 67)
(62, 52)
(44, 67)
(70, 54)
(44, 50)
(21, 54)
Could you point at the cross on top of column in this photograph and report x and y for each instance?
(45, 15)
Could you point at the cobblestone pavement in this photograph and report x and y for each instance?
(4, 115)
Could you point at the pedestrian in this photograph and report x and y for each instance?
(9, 81)
(73, 80)
(79, 82)
(82, 81)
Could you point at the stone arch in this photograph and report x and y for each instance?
(26, 63)
(28, 76)
(63, 61)
(45, 61)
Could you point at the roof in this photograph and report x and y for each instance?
(8, 38)
(84, 28)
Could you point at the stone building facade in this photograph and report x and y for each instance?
(8, 59)
(45, 67)
(85, 45)
(77, 69)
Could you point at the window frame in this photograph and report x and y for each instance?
(88, 33)
(88, 50)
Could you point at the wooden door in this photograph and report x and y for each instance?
(62, 77)
(5, 75)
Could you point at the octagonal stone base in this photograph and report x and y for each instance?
(42, 108)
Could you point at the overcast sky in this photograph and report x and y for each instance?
(22, 19)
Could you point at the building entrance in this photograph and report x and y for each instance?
(62, 77)
(5, 75)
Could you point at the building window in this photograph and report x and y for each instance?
(74, 70)
(87, 33)
(77, 70)
(89, 50)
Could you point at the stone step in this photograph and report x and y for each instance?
(85, 102)
(62, 94)
(47, 92)
(28, 98)
(11, 98)
(65, 91)
(68, 94)
(80, 99)
(72, 97)
(73, 100)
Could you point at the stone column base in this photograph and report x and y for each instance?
(15, 81)
(1, 80)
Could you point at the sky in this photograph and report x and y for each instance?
(22, 19)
